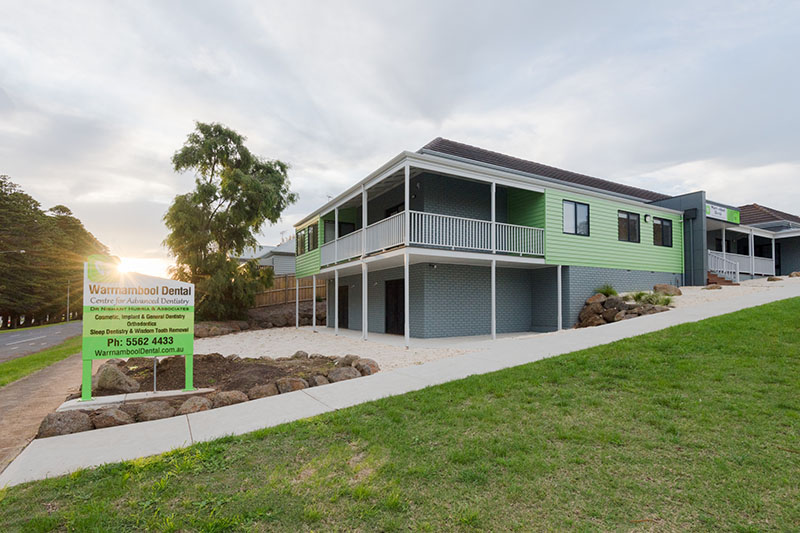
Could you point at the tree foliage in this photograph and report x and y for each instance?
(235, 194)
(34, 284)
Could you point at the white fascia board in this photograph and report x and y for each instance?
(741, 228)
(472, 171)
(785, 234)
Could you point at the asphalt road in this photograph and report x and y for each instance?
(14, 344)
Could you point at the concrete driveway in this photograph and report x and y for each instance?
(18, 343)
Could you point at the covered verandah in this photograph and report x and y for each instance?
(734, 250)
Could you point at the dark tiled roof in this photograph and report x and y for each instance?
(474, 153)
(755, 214)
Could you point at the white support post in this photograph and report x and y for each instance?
(364, 222)
(558, 298)
(494, 293)
(774, 271)
(724, 246)
(494, 221)
(364, 300)
(336, 302)
(296, 303)
(314, 303)
(751, 244)
(407, 221)
(406, 306)
(336, 235)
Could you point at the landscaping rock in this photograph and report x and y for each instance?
(130, 408)
(154, 411)
(794, 275)
(614, 302)
(291, 384)
(194, 405)
(300, 354)
(712, 287)
(343, 373)
(106, 418)
(367, 367)
(262, 391)
(610, 315)
(597, 298)
(64, 423)
(593, 321)
(665, 288)
(230, 397)
(347, 360)
(774, 278)
(110, 378)
(660, 308)
(316, 381)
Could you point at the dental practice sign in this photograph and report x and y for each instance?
(134, 315)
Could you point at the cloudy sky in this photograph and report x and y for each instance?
(95, 97)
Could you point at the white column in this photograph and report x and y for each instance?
(363, 221)
(296, 303)
(558, 298)
(336, 235)
(407, 219)
(494, 221)
(494, 291)
(336, 302)
(314, 303)
(774, 272)
(406, 306)
(364, 299)
(723, 242)
(751, 244)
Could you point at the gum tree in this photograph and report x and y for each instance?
(235, 194)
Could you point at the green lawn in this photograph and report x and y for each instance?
(28, 364)
(692, 428)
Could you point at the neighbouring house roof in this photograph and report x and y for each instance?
(473, 153)
(254, 253)
(758, 214)
(285, 248)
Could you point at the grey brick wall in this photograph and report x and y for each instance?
(790, 255)
(457, 300)
(544, 294)
(514, 297)
(581, 282)
(455, 197)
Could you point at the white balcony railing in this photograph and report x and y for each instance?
(764, 266)
(723, 266)
(522, 240)
(429, 229)
(327, 253)
(386, 233)
(349, 246)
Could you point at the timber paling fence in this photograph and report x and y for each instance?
(283, 291)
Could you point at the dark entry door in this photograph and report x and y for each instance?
(343, 306)
(395, 307)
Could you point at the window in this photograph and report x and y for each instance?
(313, 237)
(662, 232)
(301, 242)
(576, 218)
(628, 226)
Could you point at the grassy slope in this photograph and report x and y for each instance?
(28, 364)
(692, 428)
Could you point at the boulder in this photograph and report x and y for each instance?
(590, 310)
(316, 381)
(712, 287)
(110, 378)
(300, 354)
(262, 391)
(347, 360)
(64, 423)
(597, 298)
(193, 405)
(229, 397)
(614, 302)
(154, 411)
(291, 384)
(106, 418)
(343, 373)
(666, 288)
(660, 308)
(794, 275)
(610, 315)
(367, 367)
(774, 278)
(594, 320)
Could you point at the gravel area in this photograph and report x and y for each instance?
(697, 295)
(283, 342)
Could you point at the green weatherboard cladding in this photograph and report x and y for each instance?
(526, 208)
(602, 248)
(308, 263)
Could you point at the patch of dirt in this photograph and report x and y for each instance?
(222, 373)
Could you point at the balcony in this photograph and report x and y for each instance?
(429, 230)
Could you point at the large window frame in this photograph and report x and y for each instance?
(301, 242)
(662, 227)
(313, 237)
(625, 219)
(575, 208)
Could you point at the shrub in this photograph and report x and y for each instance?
(638, 297)
(652, 298)
(606, 290)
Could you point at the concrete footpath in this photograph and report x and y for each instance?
(60, 455)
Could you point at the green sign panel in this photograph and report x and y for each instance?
(722, 213)
(134, 315)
